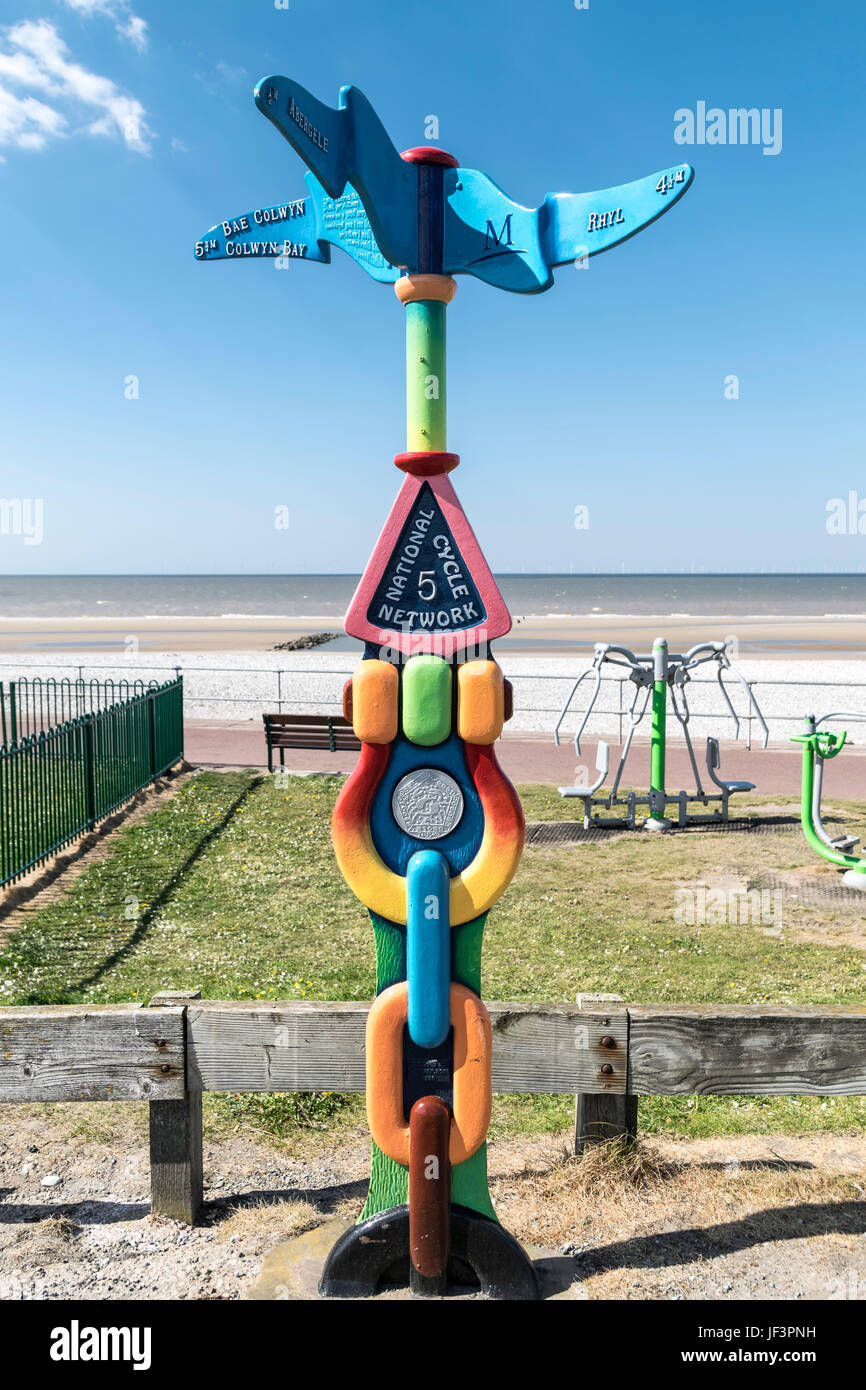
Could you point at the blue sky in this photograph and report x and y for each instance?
(126, 130)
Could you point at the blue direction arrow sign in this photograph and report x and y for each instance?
(363, 197)
(306, 228)
(349, 145)
(515, 248)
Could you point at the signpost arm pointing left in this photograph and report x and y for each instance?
(305, 228)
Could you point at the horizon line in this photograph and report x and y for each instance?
(504, 574)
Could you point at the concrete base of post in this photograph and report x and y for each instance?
(292, 1271)
(657, 824)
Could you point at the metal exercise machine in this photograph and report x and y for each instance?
(653, 676)
(819, 745)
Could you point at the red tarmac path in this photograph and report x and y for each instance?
(528, 758)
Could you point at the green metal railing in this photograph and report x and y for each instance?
(34, 703)
(58, 783)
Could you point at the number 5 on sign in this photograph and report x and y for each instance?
(426, 586)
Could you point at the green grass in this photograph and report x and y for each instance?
(231, 885)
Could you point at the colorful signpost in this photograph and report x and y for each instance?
(427, 831)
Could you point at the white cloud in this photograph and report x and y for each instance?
(26, 122)
(135, 30)
(128, 25)
(37, 58)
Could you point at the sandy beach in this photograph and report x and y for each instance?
(788, 636)
(238, 685)
(223, 633)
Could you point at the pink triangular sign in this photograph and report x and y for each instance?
(427, 586)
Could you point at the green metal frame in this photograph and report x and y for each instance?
(34, 703)
(658, 731)
(60, 782)
(820, 743)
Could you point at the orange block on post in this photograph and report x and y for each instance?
(386, 1030)
(480, 701)
(375, 696)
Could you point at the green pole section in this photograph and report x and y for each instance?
(659, 720)
(425, 376)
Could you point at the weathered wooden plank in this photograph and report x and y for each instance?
(556, 1049)
(125, 1052)
(91, 1052)
(253, 1046)
(611, 1114)
(176, 1169)
(726, 1050)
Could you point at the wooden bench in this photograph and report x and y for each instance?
(329, 731)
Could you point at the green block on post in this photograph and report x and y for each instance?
(427, 700)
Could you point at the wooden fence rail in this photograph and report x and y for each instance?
(599, 1049)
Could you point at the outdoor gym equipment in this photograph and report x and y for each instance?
(427, 831)
(819, 745)
(652, 677)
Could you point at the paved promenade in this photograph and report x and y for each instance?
(209, 743)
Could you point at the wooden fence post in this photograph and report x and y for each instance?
(599, 1117)
(176, 1182)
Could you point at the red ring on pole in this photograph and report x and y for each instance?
(427, 464)
(430, 154)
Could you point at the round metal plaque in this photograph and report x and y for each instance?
(427, 804)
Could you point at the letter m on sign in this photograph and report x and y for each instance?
(504, 236)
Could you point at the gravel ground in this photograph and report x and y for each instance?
(91, 1235)
(757, 1218)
